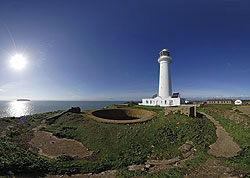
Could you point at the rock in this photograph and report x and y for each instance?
(136, 167)
(176, 164)
(241, 175)
(189, 142)
(186, 147)
(186, 155)
(159, 162)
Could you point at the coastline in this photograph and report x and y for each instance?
(19, 108)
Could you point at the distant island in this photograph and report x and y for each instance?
(23, 100)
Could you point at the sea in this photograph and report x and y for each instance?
(23, 108)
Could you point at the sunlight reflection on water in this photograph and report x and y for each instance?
(19, 108)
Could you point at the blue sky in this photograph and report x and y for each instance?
(108, 50)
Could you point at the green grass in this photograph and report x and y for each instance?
(201, 158)
(122, 145)
(125, 173)
(170, 173)
(225, 106)
(115, 146)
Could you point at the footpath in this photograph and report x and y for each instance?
(223, 147)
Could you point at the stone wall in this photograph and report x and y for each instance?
(55, 117)
(188, 110)
(121, 116)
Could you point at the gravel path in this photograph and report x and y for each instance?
(224, 145)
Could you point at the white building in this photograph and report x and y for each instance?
(165, 96)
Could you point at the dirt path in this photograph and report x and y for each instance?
(213, 168)
(224, 145)
(244, 109)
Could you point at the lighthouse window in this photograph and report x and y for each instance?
(165, 101)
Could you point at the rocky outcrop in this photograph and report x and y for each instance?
(186, 147)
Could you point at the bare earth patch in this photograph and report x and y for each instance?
(105, 174)
(52, 147)
(224, 145)
(244, 109)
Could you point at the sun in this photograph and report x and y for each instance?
(18, 62)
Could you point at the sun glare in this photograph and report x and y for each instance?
(18, 62)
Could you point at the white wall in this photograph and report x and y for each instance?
(165, 87)
(162, 102)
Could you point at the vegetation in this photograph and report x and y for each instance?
(173, 173)
(223, 106)
(115, 146)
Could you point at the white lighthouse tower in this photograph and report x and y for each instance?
(165, 96)
(165, 87)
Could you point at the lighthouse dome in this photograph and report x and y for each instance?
(164, 52)
(165, 56)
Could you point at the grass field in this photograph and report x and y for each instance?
(115, 146)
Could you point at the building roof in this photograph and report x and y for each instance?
(175, 95)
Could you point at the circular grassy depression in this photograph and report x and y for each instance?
(121, 116)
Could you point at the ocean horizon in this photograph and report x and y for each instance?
(22, 108)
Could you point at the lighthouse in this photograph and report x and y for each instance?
(165, 96)
(165, 86)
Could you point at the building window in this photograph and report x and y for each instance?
(147, 101)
